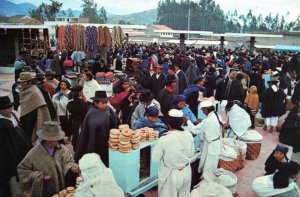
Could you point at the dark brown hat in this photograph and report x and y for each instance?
(171, 78)
(100, 96)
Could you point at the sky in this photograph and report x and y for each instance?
(132, 6)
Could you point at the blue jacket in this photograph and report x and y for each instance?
(158, 125)
(187, 112)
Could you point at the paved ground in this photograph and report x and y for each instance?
(245, 176)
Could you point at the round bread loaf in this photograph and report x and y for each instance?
(123, 126)
(115, 131)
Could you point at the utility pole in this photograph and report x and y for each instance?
(189, 16)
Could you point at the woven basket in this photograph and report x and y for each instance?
(241, 161)
(253, 150)
(229, 165)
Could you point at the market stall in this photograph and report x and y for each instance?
(134, 173)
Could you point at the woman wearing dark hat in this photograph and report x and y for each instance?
(290, 130)
(60, 101)
(43, 171)
(276, 159)
(77, 108)
(95, 128)
(174, 151)
(273, 101)
(14, 145)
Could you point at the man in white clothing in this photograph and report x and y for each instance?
(238, 119)
(174, 151)
(211, 131)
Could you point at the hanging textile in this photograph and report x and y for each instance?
(61, 39)
(72, 36)
(101, 38)
(107, 37)
(67, 37)
(91, 39)
(79, 42)
(118, 36)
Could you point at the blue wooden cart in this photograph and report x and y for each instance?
(126, 168)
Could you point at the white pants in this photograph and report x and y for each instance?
(271, 121)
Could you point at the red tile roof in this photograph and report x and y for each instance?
(162, 27)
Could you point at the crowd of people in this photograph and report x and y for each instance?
(156, 86)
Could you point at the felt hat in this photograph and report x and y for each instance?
(180, 98)
(50, 131)
(49, 73)
(100, 96)
(171, 78)
(5, 102)
(25, 76)
(40, 76)
(205, 104)
(282, 148)
(152, 111)
(175, 113)
(146, 96)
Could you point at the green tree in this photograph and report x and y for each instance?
(70, 13)
(46, 12)
(89, 10)
(102, 18)
(122, 22)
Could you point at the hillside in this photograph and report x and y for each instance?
(140, 18)
(8, 8)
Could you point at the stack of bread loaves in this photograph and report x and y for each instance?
(69, 192)
(147, 133)
(124, 139)
(79, 180)
(135, 139)
(114, 139)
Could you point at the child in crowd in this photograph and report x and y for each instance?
(276, 159)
